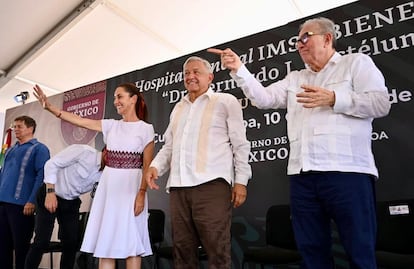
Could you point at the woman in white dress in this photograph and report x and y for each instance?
(118, 222)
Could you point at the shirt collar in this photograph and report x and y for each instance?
(208, 94)
(333, 60)
(31, 141)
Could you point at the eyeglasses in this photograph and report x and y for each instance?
(304, 38)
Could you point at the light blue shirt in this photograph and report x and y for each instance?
(73, 171)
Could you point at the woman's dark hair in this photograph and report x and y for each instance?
(140, 106)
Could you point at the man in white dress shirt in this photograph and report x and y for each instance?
(330, 108)
(207, 152)
(68, 174)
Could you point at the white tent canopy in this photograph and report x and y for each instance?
(62, 45)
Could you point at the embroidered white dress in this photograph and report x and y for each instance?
(113, 231)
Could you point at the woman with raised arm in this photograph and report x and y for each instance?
(118, 223)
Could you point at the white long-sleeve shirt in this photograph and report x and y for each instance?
(205, 140)
(73, 171)
(334, 138)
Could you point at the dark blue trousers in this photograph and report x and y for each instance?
(67, 214)
(346, 198)
(16, 231)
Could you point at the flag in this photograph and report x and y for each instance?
(5, 146)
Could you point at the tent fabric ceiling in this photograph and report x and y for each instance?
(62, 45)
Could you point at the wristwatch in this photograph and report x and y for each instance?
(49, 190)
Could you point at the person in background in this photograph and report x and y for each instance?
(330, 104)
(207, 152)
(20, 178)
(117, 226)
(68, 174)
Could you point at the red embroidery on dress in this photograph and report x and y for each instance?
(123, 159)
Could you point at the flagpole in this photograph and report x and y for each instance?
(6, 144)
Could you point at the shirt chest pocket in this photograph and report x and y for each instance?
(341, 85)
(217, 120)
